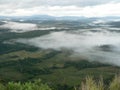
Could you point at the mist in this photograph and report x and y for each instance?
(18, 27)
(21, 27)
(100, 45)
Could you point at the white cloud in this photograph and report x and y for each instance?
(33, 3)
(19, 27)
(110, 9)
(26, 27)
(85, 44)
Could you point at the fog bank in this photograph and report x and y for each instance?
(102, 46)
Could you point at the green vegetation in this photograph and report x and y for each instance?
(36, 85)
(115, 84)
(88, 84)
(11, 35)
(91, 84)
(53, 67)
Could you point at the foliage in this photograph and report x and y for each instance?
(88, 84)
(91, 84)
(115, 84)
(36, 85)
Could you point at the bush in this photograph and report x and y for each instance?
(115, 84)
(90, 84)
(36, 85)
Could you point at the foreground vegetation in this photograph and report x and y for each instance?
(36, 85)
(91, 84)
(88, 84)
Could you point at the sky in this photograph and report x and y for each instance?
(87, 8)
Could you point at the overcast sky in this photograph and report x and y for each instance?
(87, 8)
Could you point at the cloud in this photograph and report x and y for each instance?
(33, 3)
(109, 9)
(102, 46)
(19, 27)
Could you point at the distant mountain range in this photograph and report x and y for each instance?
(42, 17)
(47, 17)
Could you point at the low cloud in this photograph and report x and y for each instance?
(102, 46)
(19, 27)
(26, 27)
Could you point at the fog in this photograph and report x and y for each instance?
(100, 45)
(19, 27)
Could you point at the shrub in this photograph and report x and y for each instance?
(115, 84)
(36, 85)
(90, 84)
